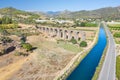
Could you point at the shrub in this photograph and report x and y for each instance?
(23, 38)
(18, 53)
(2, 52)
(83, 44)
(83, 24)
(27, 46)
(74, 41)
(6, 40)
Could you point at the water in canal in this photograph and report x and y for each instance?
(87, 67)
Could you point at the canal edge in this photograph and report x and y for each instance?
(63, 74)
(99, 67)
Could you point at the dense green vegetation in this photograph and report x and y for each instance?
(83, 44)
(74, 41)
(117, 35)
(118, 67)
(27, 46)
(85, 24)
(114, 26)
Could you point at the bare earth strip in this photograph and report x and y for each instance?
(10, 69)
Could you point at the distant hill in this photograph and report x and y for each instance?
(15, 13)
(108, 12)
(53, 13)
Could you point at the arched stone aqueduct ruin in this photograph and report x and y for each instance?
(62, 33)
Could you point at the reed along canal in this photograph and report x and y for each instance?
(86, 69)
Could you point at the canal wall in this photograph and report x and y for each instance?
(63, 74)
(98, 69)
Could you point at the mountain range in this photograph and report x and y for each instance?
(107, 12)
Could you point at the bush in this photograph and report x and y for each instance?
(2, 52)
(83, 44)
(6, 40)
(27, 46)
(83, 24)
(74, 41)
(23, 38)
(18, 53)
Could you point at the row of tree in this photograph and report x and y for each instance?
(117, 35)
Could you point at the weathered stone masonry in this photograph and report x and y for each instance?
(62, 33)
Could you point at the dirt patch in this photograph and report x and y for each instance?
(45, 62)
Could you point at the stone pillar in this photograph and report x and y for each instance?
(75, 35)
(55, 32)
(64, 34)
(69, 35)
(83, 37)
(41, 29)
(58, 33)
(61, 33)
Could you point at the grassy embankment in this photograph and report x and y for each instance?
(118, 67)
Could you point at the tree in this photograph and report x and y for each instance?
(27, 46)
(82, 24)
(23, 38)
(117, 35)
(74, 41)
(83, 44)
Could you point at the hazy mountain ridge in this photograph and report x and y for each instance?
(108, 12)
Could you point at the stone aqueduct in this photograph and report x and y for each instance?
(62, 33)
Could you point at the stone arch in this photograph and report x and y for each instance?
(73, 37)
(77, 36)
(66, 34)
(70, 34)
(61, 33)
(55, 32)
(43, 29)
(47, 29)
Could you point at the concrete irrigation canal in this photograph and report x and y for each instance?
(86, 69)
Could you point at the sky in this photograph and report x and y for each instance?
(58, 5)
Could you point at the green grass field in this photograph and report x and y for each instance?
(118, 67)
(69, 46)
